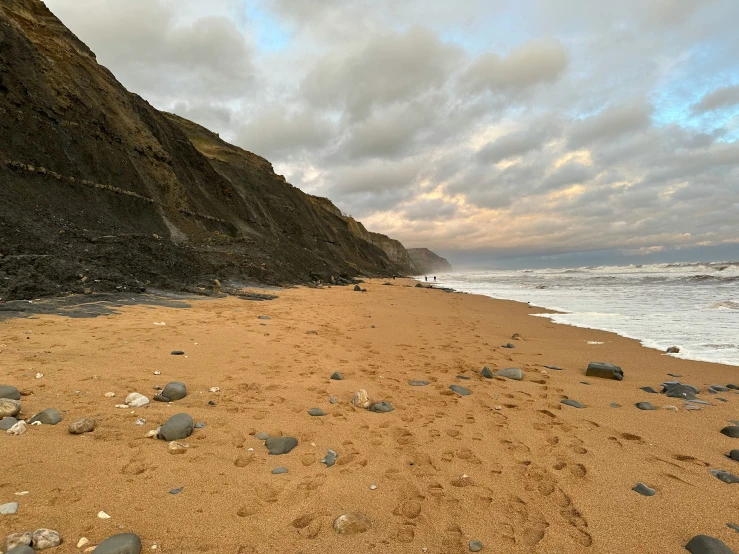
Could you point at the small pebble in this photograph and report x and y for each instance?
(645, 406)
(475, 546)
(177, 490)
(39, 375)
(109, 395)
(373, 487)
(330, 458)
(84, 541)
(157, 372)
(175, 447)
(177, 353)
(316, 412)
(199, 425)
(336, 376)
(644, 490)
(279, 470)
(332, 400)
(103, 515)
(141, 421)
(214, 389)
(8, 509)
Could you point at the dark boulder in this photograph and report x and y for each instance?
(604, 371)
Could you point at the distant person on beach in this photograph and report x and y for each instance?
(425, 277)
(434, 278)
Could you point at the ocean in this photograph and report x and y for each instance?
(694, 306)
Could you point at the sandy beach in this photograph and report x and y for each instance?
(508, 465)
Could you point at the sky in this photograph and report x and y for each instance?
(495, 132)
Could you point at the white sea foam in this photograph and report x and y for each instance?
(691, 305)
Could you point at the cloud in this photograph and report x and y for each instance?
(724, 97)
(533, 63)
(386, 68)
(610, 124)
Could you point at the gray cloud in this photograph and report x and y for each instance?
(515, 144)
(387, 68)
(610, 123)
(533, 63)
(721, 98)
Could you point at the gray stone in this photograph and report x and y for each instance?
(262, 436)
(199, 425)
(279, 470)
(381, 407)
(7, 422)
(644, 490)
(352, 524)
(357, 288)
(177, 427)
(49, 416)
(336, 376)
(514, 373)
(161, 398)
(604, 371)
(16, 540)
(487, 373)
(650, 390)
(644, 406)
(554, 367)
(720, 388)
(475, 546)
(264, 317)
(316, 412)
(675, 389)
(460, 390)
(9, 408)
(614, 405)
(731, 431)
(82, 426)
(672, 350)
(573, 403)
(733, 526)
(584, 383)
(177, 353)
(415, 383)
(703, 544)
(724, 476)
(280, 445)
(731, 386)
(175, 390)
(6, 391)
(330, 458)
(178, 490)
(45, 538)
(675, 375)
(21, 550)
(125, 543)
(332, 400)
(734, 455)
(8, 509)
(463, 377)
(509, 345)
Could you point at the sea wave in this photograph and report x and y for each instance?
(725, 305)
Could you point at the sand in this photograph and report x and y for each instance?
(531, 476)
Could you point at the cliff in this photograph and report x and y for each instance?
(394, 249)
(100, 190)
(426, 261)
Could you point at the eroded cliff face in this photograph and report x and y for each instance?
(426, 261)
(100, 190)
(394, 249)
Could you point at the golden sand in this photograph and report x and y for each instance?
(530, 476)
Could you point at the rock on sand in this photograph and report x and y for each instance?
(352, 524)
(280, 445)
(12, 393)
(82, 426)
(9, 407)
(125, 543)
(49, 416)
(703, 544)
(604, 371)
(177, 427)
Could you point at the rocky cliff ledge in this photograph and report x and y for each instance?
(425, 261)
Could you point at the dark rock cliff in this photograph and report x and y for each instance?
(425, 261)
(100, 190)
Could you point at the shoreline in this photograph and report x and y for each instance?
(508, 465)
(555, 311)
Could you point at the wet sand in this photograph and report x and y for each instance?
(531, 476)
